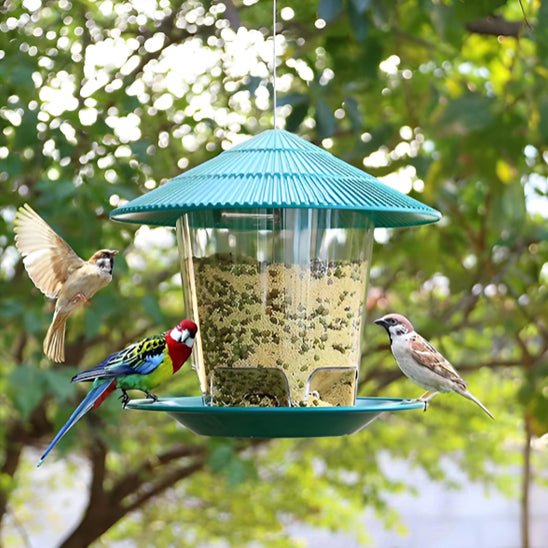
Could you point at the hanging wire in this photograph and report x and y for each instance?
(274, 97)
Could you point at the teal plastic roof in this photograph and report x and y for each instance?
(276, 169)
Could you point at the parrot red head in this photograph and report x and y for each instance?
(180, 340)
(185, 332)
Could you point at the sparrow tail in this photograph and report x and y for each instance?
(471, 397)
(94, 398)
(54, 343)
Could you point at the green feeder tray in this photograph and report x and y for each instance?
(274, 422)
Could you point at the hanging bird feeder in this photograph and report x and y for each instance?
(275, 239)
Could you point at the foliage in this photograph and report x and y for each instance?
(103, 101)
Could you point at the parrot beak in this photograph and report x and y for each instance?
(187, 338)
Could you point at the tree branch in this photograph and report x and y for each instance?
(133, 480)
(168, 480)
(525, 483)
(494, 25)
(8, 469)
(232, 14)
(100, 514)
(98, 467)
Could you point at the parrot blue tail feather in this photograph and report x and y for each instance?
(85, 405)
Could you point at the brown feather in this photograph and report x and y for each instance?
(59, 273)
(54, 343)
(425, 354)
(48, 259)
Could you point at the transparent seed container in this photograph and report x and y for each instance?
(278, 295)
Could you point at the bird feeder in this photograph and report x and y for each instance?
(275, 239)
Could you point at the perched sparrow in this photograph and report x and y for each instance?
(421, 362)
(140, 366)
(59, 273)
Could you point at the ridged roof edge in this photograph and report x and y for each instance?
(276, 169)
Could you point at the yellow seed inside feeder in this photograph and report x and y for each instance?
(296, 318)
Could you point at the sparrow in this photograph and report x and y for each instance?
(140, 366)
(422, 363)
(59, 273)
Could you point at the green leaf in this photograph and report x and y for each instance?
(298, 114)
(220, 455)
(152, 308)
(292, 99)
(467, 114)
(130, 102)
(358, 21)
(446, 24)
(26, 388)
(541, 33)
(21, 75)
(55, 191)
(325, 119)
(92, 320)
(11, 309)
(32, 321)
(330, 9)
(360, 5)
(26, 133)
(543, 122)
(353, 110)
(470, 11)
(139, 149)
(57, 382)
(509, 207)
(12, 165)
(238, 471)
(379, 136)
(253, 82)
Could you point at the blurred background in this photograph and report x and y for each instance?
(445, 100)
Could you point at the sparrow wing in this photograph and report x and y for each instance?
(426, 355)
(48, 259)
(139, 358)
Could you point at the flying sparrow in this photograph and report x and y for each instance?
(59, 273)
(421, 362)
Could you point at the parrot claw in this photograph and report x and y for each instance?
(125, 399)
(152, 397)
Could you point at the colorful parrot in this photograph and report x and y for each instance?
(140, 366)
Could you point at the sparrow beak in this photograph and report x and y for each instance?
(380, 322)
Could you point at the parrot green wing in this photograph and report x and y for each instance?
(140, 358)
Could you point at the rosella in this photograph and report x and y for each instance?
(140, 366)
